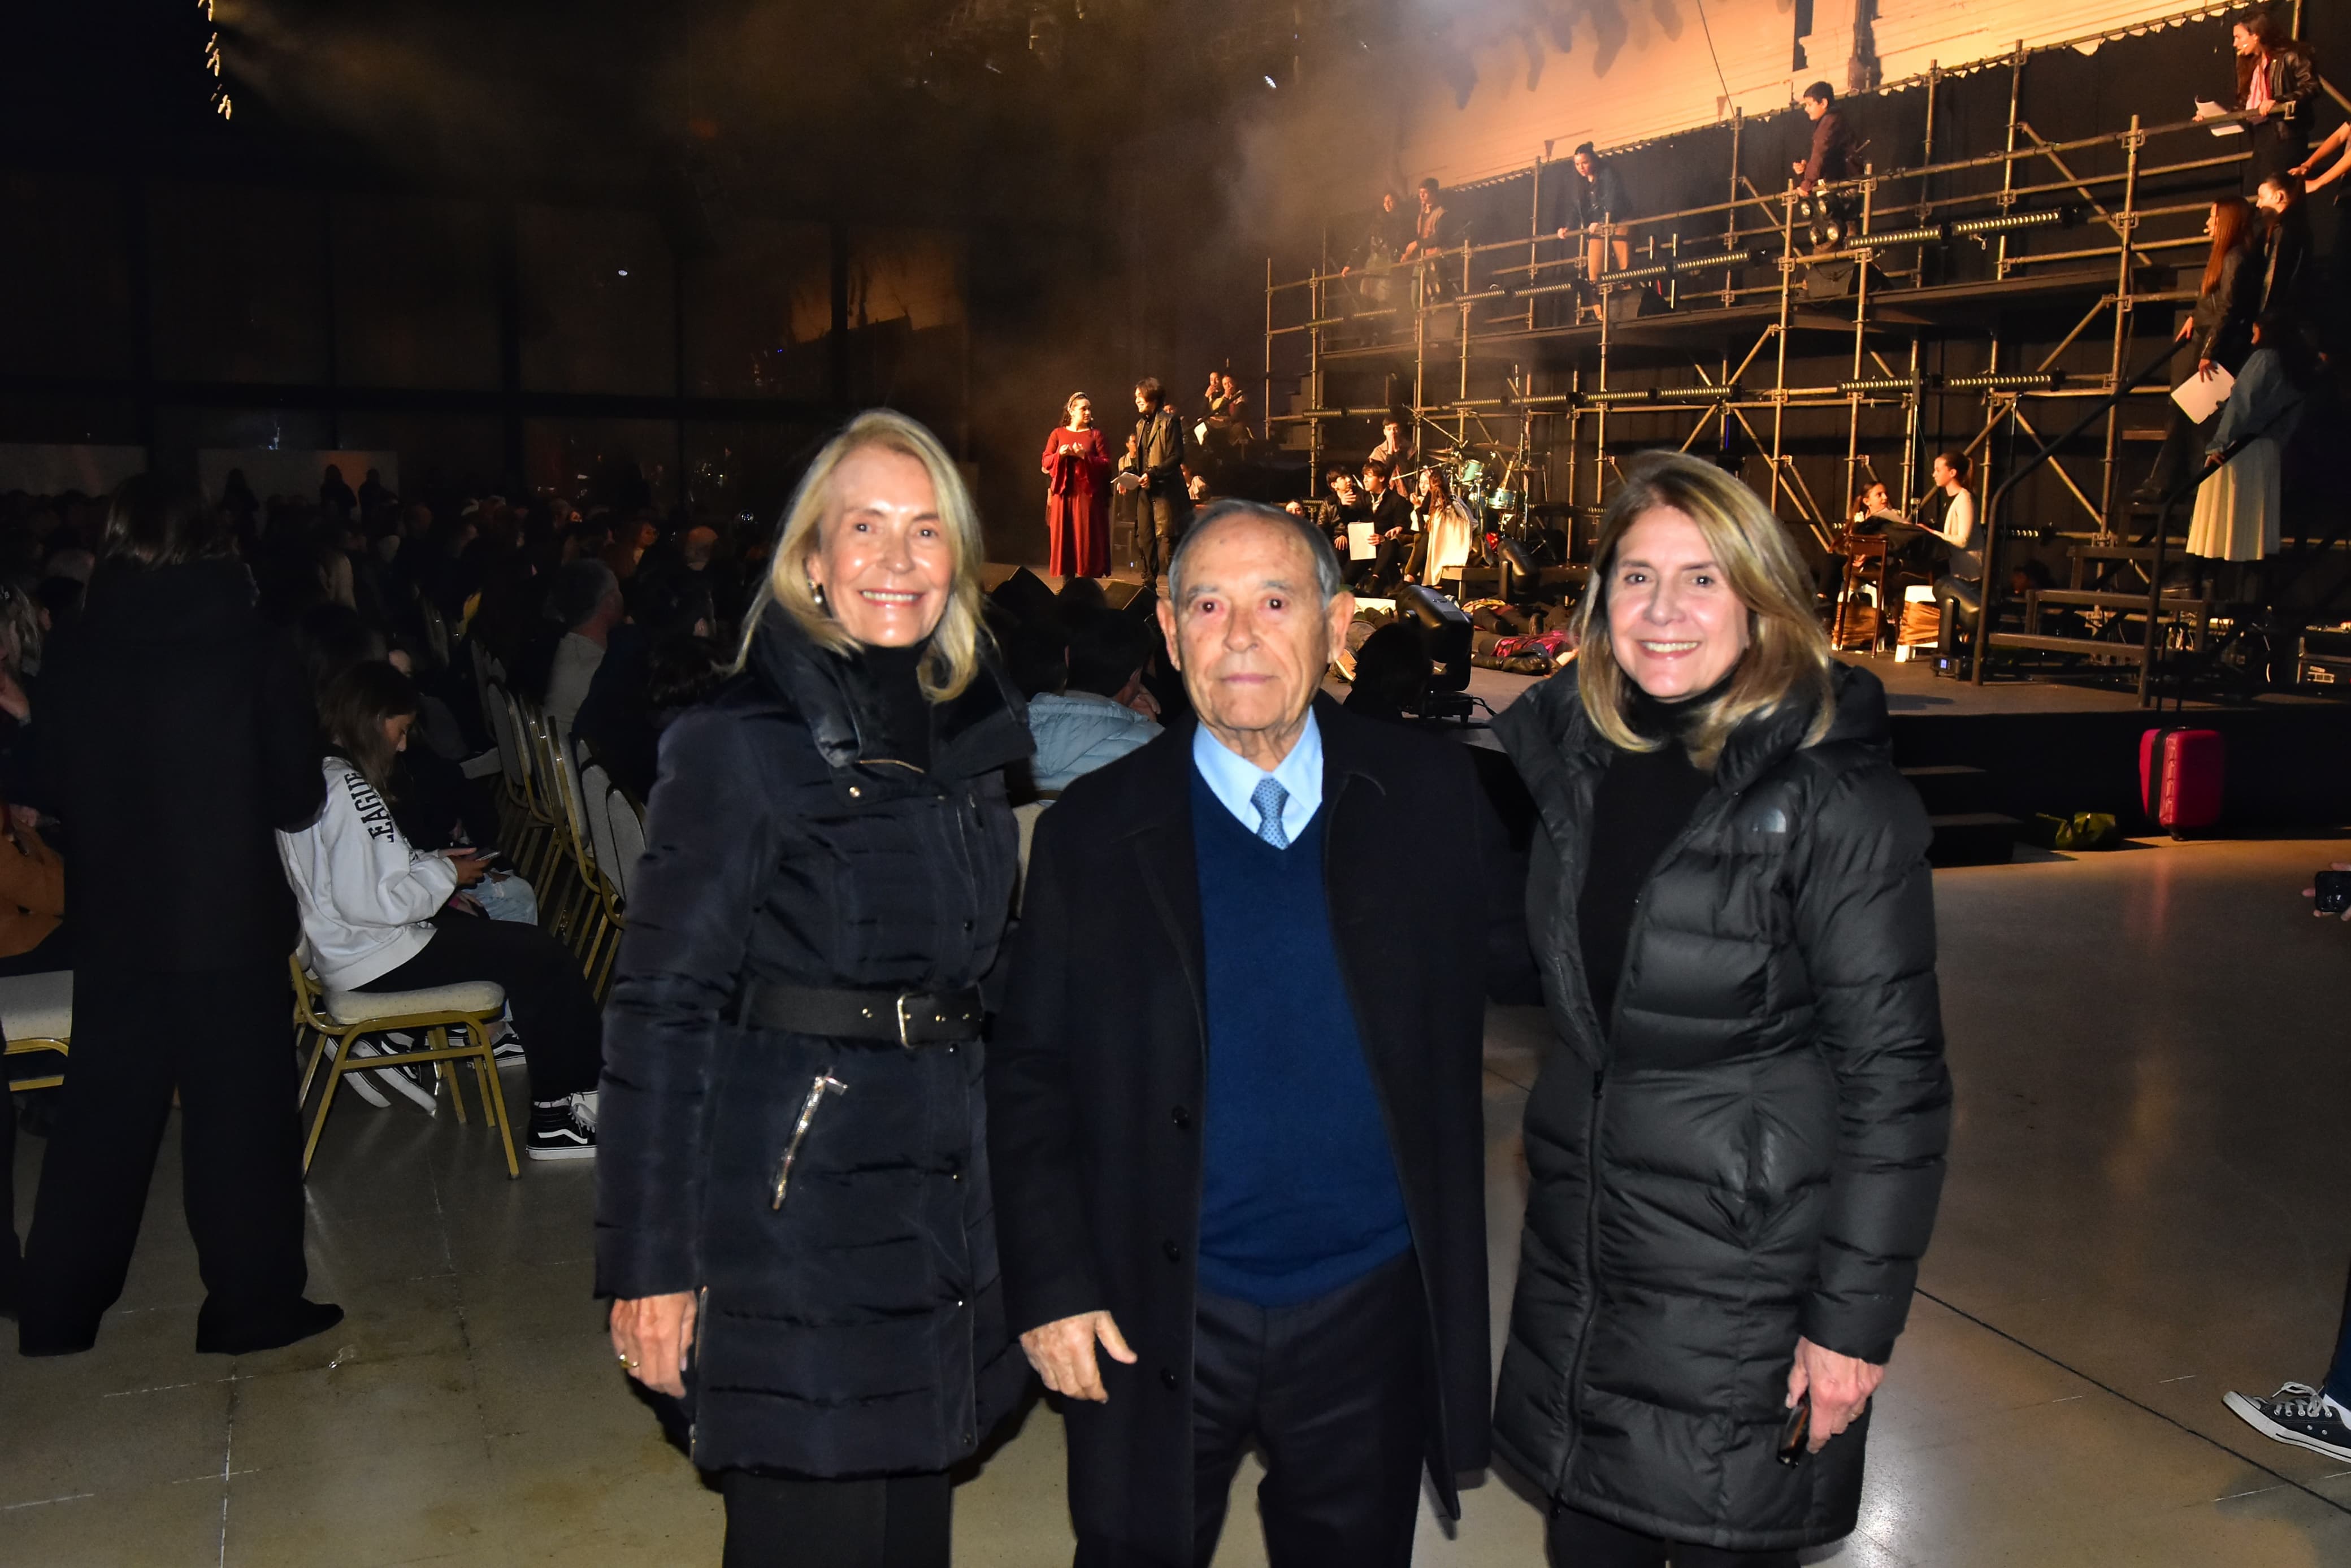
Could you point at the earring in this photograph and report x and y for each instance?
(816, 591)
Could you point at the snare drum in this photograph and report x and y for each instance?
(1469, 475)
(1502, 501)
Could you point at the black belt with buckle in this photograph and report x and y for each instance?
(908, 1019)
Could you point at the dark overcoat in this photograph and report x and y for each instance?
(858, 1330)
(1749, 1151)
(1099, 1064)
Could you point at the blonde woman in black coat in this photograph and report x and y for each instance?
(1736, 1145)
(792, 1195)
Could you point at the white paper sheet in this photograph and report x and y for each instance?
(2199, 399)
(1126, 483)
(1359, 543)
(2206, 108)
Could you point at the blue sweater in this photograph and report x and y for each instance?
(1298, 1191)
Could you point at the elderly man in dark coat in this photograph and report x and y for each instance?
(1234, 1104)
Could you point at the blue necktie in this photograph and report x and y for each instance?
(1270, 797)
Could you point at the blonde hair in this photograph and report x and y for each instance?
(953, 658)
(1787, 658)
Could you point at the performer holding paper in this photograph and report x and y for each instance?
(2222, 324)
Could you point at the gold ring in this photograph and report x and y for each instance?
(627, 1365)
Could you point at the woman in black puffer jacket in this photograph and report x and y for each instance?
(792, 1199)
(1736, 1145)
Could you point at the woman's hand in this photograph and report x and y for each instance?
(1840, 1386)
(13, 700)
(2204, 368)
(472, 865)
(1062, 1351)
(2185, 327)
(654, 1336)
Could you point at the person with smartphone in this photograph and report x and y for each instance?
(380, 915)
(1736, 1147)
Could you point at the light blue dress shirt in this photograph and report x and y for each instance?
(1233, 779)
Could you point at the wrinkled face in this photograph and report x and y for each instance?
(1250, 632)
(883, 556)
(1673, 622)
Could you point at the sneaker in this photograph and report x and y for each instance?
(505, 1044)
(563, 1129)
(2300, 1414)
(356, 1083)
(411, 1081)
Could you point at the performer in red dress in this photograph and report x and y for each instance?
(1077, 503)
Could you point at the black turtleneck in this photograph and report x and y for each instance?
(894, 684)
(1643, 802)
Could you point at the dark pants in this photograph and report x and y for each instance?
(1160, 524)
(779, 1522)
(1334, 1392)
(2338, 1375)
(1578, 1540)
(555, 1014)
(223, 1040)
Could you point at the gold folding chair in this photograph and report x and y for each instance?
(332, 1020)
(37, 1015)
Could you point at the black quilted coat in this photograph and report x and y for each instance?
(1751, 1149)
(859, 1330)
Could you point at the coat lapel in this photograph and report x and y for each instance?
(1160, 808)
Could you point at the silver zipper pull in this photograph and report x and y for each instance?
(825, 1084)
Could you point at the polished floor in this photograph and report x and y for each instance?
(2147, 1208)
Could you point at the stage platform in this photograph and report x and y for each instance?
(2060, 747)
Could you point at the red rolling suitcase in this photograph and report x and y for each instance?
(2180, 773)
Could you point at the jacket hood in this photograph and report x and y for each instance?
(983, 728)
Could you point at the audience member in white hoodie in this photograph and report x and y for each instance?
(378, 915)
(1102, 712)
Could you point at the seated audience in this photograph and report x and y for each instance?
(376, 914)
(1101, 711)
(586, 600)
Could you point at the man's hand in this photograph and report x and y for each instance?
(1840, 1384)
(654, 1338)
(1063, 1353)
(2312, 892)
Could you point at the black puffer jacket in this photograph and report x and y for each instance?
(1750, 1150)
(859, 1330)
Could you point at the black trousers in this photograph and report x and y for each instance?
(783, 1522)
(1336, 1391)
(1578, 1540)
(1160, 522)
(223, 1040)
(554, 1013)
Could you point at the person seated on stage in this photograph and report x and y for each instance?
(1394, 528)
(1102, 712)
(1596, 196)
(1397, 448)
(1874, 513)
(1960, 584)
(1831, 154)
(1235, 406)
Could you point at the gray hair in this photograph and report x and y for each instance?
(1328, 583)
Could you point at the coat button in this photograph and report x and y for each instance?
(1182, 1116)
(1175, 1253)
(1167, 1379)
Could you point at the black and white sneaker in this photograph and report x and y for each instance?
(505, 1044)
(563, 1129)
(2300, 1414)
(359, 1083)
(411, 1081)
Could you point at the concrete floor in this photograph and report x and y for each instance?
(2146, 1208)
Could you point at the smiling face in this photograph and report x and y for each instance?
(1251, 634)
(1142, 403)
(2269, 196)
(1674, 624)
(883, 556)
(2241, 38)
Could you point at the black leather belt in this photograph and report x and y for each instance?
(907, 1019)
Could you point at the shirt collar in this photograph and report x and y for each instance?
(1232, 779)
